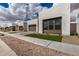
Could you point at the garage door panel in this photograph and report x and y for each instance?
(73, 28)
(32, 28)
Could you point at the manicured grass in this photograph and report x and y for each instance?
(46, 37)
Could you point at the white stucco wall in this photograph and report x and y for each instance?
(57, 11)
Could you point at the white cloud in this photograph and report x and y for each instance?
(17, 11)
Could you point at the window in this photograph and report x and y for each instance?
(50, 24)
(58, 24)
(45, 25)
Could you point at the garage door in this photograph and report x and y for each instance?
(73, 28)
(32, 28)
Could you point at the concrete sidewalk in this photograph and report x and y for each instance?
(63, 47)
(5, 50)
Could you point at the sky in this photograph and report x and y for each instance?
(5, 5)
(6, 14)
(48, 5)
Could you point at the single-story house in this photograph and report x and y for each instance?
(56, 20)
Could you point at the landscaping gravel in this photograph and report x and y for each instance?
(23, 48)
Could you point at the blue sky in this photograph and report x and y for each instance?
(5, 5)
(10, 17)
(48, 5)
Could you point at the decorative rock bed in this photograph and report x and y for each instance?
(23, 48)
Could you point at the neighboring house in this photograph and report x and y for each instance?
(74, 21)
(16, 26)
(19, 26)
(56, 20)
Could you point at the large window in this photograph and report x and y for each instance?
(45, 23)
(58, 24)
(52, 24)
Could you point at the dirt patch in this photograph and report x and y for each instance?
(23, 48)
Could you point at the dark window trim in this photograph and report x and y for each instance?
(53, 18)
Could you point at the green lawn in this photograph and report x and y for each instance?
(46, 37)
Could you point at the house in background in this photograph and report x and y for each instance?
(74, 18)
(55, 20)
(15, 26)
(61, 19)
(18, 26)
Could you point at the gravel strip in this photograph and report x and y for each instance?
(23, 48)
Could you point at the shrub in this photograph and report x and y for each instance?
(46, 37)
